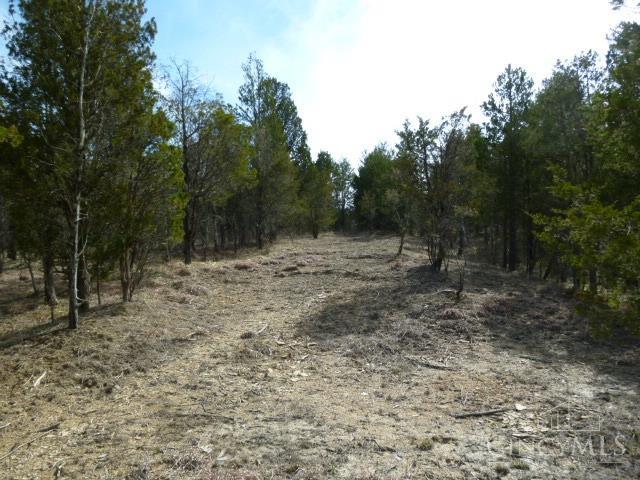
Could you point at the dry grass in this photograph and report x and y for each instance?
(321, 359)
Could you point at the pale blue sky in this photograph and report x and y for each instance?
(358, 68)
(217, 36)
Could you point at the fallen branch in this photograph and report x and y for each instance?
(44, 431)
(447, 291)
(262, 329)
(482, 413)
(524, 435)
(39, 379)
(535, 359)
(428, 364)
(49, 428)
(380, 447)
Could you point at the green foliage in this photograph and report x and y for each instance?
(374, 179)
(316, 194)
(10, 135)
(595, 226)
(94, 169)
(342, 176)
(430, 167)
(80, 81)
(278, 149)
(507, 110)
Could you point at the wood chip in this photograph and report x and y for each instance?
(39, 379)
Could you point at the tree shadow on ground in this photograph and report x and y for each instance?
(14, 302)
(528, 318)
(365, 310)
(17, 296)
(536, 320)
(14, 338)
(40, 331)
(368, 237)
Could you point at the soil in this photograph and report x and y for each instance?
(327, 358)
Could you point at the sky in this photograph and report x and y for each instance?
(358, 68)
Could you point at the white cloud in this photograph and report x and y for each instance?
(358, 70)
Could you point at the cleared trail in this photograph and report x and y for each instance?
(321, 359)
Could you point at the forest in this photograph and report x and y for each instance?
(118, 174)
(104, 169)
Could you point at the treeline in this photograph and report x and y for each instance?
(548, 184)
(100, 169)
(102, 165)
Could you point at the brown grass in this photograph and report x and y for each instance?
(349, 365)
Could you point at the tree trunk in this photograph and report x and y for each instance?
(577, 284)
(563, 273)
(73, 268)
(513, 244)
(402, 234)
(243, 235)
(505, 244)
(531, 246)
(462, 238)
(593, 282)
(50, 297)
(223, 235)
(12, 251)
(125, 276)
(98, 284)
(84, 285)
(33, 280)
(260, 221)
(259, 237)
(187, 242)
(75, 210)
(205, 240)
(436, 266)
(187, 221)
(547, 271)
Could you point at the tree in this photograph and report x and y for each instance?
(403, 199)
(267, 109)
(70, 60)
(374, 179)
(223, 146)
(342, 178)
(139, 208)
(595, 224)
(559, 139)
(316, 193)
(507, 110)
(189, 107)
(430, 165)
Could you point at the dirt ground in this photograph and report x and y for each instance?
(325, 358)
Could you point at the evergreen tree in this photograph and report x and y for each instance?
(374, 179)
(316, 193)
(276, 137)
(70, 60)
(342, 178)
(507, 111)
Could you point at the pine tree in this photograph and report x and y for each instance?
(72, 59)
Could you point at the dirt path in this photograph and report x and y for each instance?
(321, 359)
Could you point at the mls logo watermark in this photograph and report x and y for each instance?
(571, 418)
(569, 430)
